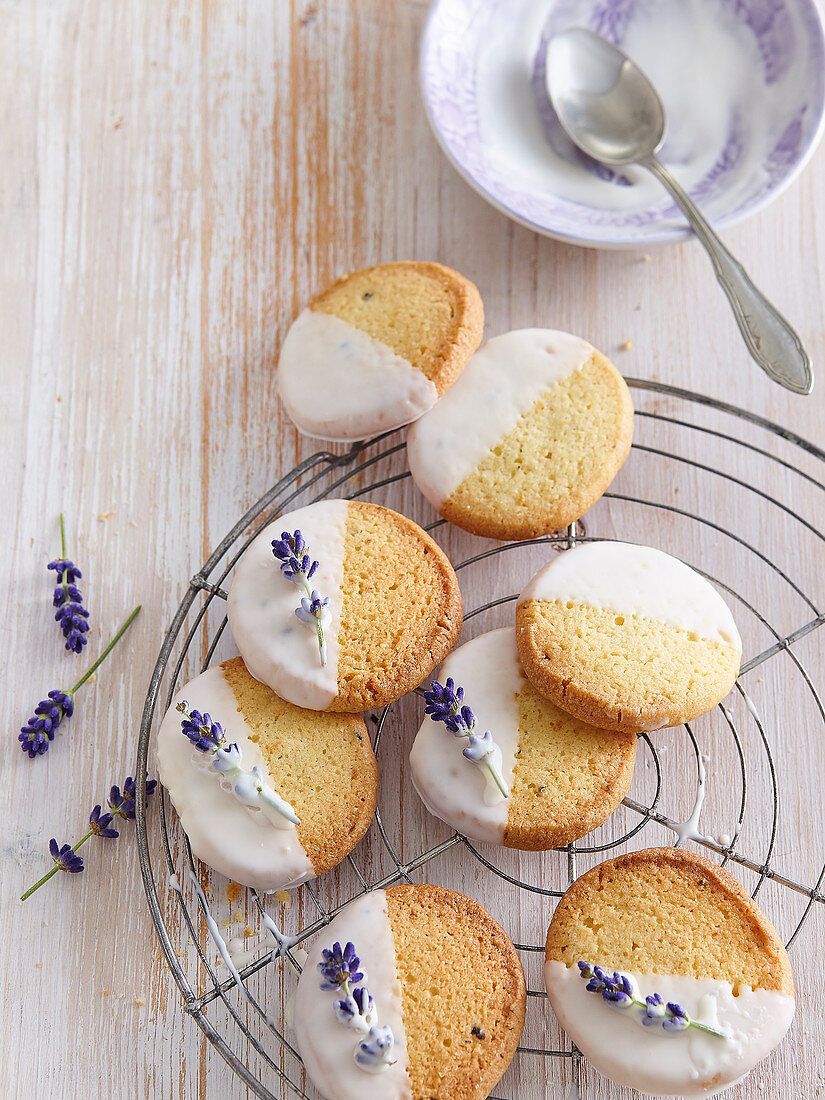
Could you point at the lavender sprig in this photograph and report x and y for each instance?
(71, 614)
(120, 805)
(619, 991)
(249, 787)
(297, 566)
(37, 734)
(445, 703)
(340, 970)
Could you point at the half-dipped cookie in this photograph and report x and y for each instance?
(377, 349)
(544, 780)
(269, 794)
(411, 993)
(528, 438)
(343, 606)
(666, 975)
(626, 637)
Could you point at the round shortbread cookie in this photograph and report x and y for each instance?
(528, 438)
(441, 974)
(377, 349)
(565, 778)
(394, 608)
(626, 637)
(680, 926)
(321, 765)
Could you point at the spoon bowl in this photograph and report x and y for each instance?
(604, 102)
(610, 110)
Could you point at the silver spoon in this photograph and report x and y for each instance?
(612, 112)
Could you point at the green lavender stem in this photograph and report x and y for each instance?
(96, 665)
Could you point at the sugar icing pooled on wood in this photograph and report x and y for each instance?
(276, 647)
(498, 385)
(325, 1045)
(646, 1058)
(222, 831)
(636, 580)
(341, 384)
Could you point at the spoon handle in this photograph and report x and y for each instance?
(769, 338)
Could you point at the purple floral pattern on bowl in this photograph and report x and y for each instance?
(787, 38)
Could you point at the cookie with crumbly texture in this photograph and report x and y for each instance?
(378, 348)
(528, 438)
(626, 637)
(676, 925)
(322, 765)
(564, 778)
(394, 608)
(442, 975)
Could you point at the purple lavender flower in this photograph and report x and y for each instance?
(290, 550)
(37, 734)
(40, 729)
(375, 1050)
(121, 805)
(444, 704)
(65, 858)
(356, 1010)
(479, 747)
(71, 614)
(312, 608)
(204, 734)
(339, 968)
(655, 1010)
(676, 1019)
(100, 824)
(619, 991)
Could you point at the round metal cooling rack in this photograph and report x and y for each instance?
(238, 1024)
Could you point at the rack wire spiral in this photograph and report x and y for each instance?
(734, 523)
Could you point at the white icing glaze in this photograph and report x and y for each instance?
(341, 384)
(636, 580)
(277, 648)
(689, 830)
(326, 1046)
(682, 1064)
(222, 832)
(497, 387)
(449, 785)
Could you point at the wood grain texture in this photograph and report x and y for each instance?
(177, 178)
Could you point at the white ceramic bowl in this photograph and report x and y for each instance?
(742, 81)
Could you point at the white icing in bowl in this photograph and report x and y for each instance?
(743, 85)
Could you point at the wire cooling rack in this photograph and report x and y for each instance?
(699, 484)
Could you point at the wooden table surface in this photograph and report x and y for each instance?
(176, 180)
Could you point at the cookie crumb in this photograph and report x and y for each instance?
(139, 1003)
(106, 992)
(284, 897)
(248, 932)
(627, 345)
(233, 891)
(646, 258)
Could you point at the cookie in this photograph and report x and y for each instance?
(528, 438)
(564, 777)
(626, 637)
(377, 349)
(393, 610)
(321, 766)
(440, 974)
(679, 926)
